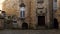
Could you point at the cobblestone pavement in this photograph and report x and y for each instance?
(29, 31)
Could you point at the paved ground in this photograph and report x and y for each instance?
(29, 31)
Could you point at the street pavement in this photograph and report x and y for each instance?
(29, 31)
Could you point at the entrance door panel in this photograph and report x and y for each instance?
(41, 20)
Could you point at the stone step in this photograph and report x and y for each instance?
(41, 27)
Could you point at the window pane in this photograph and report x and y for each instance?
(22, 14)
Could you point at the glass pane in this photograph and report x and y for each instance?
(22, 14)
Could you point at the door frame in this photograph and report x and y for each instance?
(37, 20)
(45, 20)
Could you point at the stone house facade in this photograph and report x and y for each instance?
(37, 12)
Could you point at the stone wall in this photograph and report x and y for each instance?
(11, 7)
(58, 12)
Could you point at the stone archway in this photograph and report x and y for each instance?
(24, 26)
(55, 24)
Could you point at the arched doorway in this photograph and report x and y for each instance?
(24, 26)
(55, 24)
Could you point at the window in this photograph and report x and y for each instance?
(22, 14)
